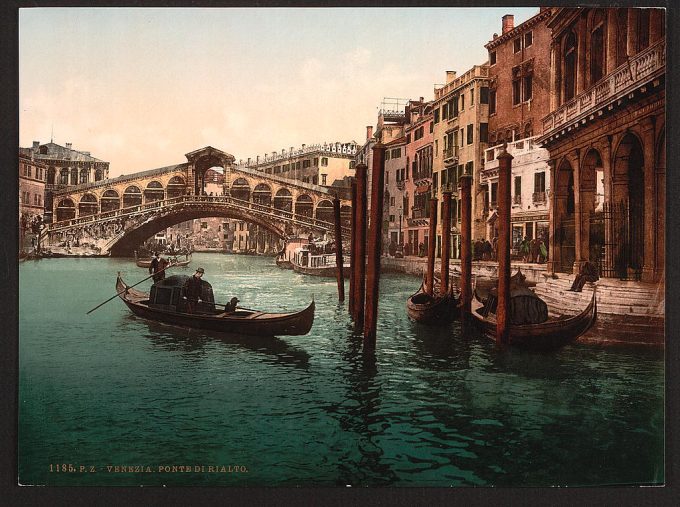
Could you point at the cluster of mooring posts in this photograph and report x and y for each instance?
(366, 248)
(364, 281)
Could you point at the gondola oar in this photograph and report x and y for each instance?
(121, 292)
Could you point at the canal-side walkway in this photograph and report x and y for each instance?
(628, 312)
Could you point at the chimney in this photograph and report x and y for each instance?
(248, 164)
(422, 99)
(450, 76)
(36, 145)
(508, 23)
(369, 132)
(68, 146)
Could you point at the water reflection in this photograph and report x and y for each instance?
(180, 339)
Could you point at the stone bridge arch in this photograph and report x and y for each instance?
(126, 243)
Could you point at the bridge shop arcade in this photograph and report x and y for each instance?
(118, 214)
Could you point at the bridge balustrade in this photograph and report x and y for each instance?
(140, 208)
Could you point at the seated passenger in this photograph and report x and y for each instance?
(230, 307)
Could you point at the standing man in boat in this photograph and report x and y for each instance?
(193, 289)
(157, 267)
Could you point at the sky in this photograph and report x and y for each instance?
(141, 87)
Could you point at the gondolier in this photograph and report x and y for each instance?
(193, 288)
(157, 267)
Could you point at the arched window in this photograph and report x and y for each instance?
(570, 53)
(84, 176)
(51, 172)
(74, 176)
(132, 197)
(110, 201)
(176, 186)
(597, 53)
(283, 200)
(324, 211)
(262, 194)
(240, 189)
(304, 206)
(98, 175)
(154, 192)
(88, 205)
(66, 210)
(63, 176)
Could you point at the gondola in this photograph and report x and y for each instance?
(165, 304)
(549, 335)
(432, 309)
(147, 264)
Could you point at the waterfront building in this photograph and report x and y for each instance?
(66, 167)
(460, 136)
(395, 203)
(606, 130)
(32, 174)
(364, 155)
(519, 98)
(318, 164)
(417, 177)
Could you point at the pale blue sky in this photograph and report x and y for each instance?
(142, 87)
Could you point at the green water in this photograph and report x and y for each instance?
(436, 408)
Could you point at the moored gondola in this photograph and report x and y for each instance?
(546, 335)
(432, 309)
(165, 304)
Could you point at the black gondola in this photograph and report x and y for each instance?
(165, 304)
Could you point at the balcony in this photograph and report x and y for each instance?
(517, 199)
(451, 155)
(401, 185)
(538, 197)
(640, 69)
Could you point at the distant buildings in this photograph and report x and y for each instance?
(32, 174)
(66, 167)
(318, 164)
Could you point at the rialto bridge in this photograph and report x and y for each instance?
(117, 214)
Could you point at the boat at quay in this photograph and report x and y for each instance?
(307, 262)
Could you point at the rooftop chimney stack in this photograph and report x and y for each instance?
(36, 145)
(369, 132)
(450, 76)
(508, 23)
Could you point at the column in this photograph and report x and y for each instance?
(611, 40)
(575, 161)
(649, 267)
(581, 68)
(553, 218)
(606, 154)
(632, 32)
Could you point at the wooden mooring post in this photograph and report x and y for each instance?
(431, 247)
(502, 310)
(360, 239)
(374, 248)
(446, 241)
(465, 185)
(352, 247)
(340, 274)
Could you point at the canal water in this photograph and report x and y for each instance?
(109, 390)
